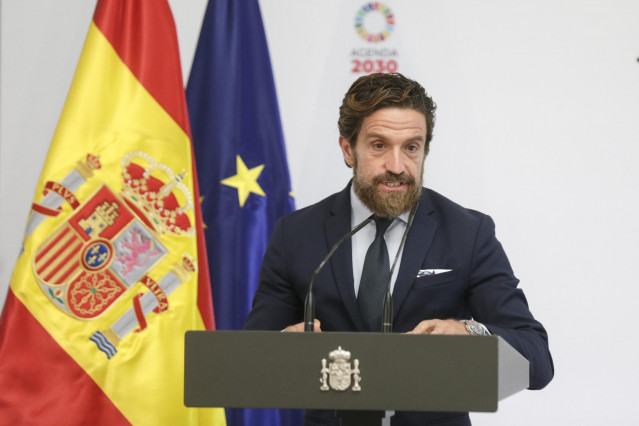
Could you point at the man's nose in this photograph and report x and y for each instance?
(394, 162)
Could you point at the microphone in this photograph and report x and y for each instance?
(387, 309)
(309, 304)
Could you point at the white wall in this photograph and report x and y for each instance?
(537, 126)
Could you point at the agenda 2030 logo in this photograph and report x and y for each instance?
(374, 23)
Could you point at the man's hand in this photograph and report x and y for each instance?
(437, 326)
(300, 327)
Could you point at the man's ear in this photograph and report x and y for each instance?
(347, 151)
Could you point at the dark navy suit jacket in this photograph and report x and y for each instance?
(444, 235)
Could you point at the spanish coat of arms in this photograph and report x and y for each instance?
(337, 374)
(110, 242)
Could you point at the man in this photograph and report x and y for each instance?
(454, 277)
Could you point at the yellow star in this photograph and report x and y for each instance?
(245, 181)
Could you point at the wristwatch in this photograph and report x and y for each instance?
(475, 328)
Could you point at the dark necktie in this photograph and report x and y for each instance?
(375, 277)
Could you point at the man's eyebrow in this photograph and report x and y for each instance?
(418, 138)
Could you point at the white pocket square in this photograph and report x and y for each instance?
(425, 272)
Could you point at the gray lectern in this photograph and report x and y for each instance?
(350, 371)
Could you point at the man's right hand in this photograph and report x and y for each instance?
(300, 327)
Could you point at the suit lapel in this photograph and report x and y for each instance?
(337, 225)
(418, 242)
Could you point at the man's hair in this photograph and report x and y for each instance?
(373, 92)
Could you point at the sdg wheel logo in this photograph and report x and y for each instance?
(374, 22)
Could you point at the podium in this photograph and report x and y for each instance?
(350, 371)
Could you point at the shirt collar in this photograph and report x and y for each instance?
(360, 212)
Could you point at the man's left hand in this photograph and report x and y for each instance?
(437, 326)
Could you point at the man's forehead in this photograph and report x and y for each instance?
(394, 119)
(397, 113)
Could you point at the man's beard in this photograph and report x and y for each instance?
(389, 204)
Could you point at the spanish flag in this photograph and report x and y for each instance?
(113, 268)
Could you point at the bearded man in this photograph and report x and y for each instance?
(453, 276)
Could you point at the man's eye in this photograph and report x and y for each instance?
(412, 148)
(378, 145)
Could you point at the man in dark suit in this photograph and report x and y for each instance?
(453, 277)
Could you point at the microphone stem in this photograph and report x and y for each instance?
(309, 303)
(387, 309)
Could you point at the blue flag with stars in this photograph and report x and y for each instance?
(241, 161)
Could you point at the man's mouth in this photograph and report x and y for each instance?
(394, 185)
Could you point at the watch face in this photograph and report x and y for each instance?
(474, 327)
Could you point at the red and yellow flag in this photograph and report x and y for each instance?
(113, 268)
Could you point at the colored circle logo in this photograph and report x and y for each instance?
(97, 255)
(374, 22)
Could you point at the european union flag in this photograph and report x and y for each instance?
(241, 161)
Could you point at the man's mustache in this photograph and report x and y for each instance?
(392, 177)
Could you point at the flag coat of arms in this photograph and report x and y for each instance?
(113, 269)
